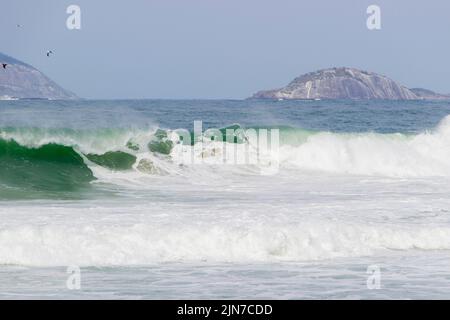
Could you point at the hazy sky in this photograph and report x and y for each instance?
(224, 48)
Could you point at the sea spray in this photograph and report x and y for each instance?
(67, 159)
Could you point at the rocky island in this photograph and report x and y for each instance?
(426, 94)
(19, 80)
(346, 83)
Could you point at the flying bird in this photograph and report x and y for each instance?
(4, 65)
(49, 53)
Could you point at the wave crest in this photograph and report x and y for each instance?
(65, 159)
(58, 245)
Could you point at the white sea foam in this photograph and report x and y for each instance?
(53, 245)
(425, 154)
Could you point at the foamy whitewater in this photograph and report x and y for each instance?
(108, 186)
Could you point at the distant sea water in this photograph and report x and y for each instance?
(362, 190)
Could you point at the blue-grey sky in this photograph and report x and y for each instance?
(224, 48)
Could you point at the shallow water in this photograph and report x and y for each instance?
(415, 275)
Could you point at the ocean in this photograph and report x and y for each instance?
(106, 195)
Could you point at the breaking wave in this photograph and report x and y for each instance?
(68, 160)
(140, 244)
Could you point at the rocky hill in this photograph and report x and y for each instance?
(20, 80)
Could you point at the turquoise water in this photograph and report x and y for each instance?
(109, 186)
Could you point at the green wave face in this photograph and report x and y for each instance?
(160, 143)
(114, 160)
(30, 168)
(47, 170)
